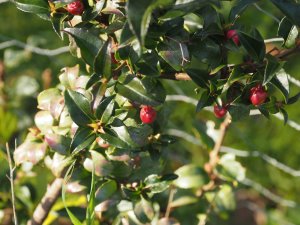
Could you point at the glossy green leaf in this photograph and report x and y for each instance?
(239, 111)
(155, 184)
(191, 176)
(102, 64)
(293, 99)
(272, 67)
(144, 211)
(33, 6)
(289, 8)
(239, 8)
(79, 107)
(90, 211)
(57, 22)
(145, 91)
(175, 53)
(281, 82)
(139, 15)
(253, 43)
(123, 134)
(140, 134)
(83, 137)
(106, 190)
(114, 140)
(105, 109)
(288, 31)
(88, 41)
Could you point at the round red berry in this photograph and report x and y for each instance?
(258, 95)
(75, 8)
(232, 34)
(147, 114)
(220, 111)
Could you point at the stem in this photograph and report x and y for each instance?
(42, 210)
(11, 179)
(171, 196)
(216, 150)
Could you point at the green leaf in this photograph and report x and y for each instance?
(149, 65)
(33, 6)
(114, 141)
(285, 115)
(191, 176)
(289, 8)
(83, 138)
(90, 211)
(58, 143)
(105, 109)
(229, 169)
(123, 134)
(106, 190)
(293, 99)
(144, 211)
(236, 75)
(156, 184)
(281, 82)
(175, 53)
(145, 91)
(239, 8)
(79, 107)
(88, 41)
(288, 31)
(68, 174)
(253, 43)
(239, 111)
(140, 134)
(225, 199)
(102, 64)
(139, 15)
(57, 22)
(272, 67)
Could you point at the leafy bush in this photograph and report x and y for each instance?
(89, 129)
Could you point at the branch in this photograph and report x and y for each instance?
(268, 194)
(42, 210)
(272, 161)
(214, 154)
(11, 179)
(37, 50)
(183, 98)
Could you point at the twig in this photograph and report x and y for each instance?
(272, 161)
(11, 179)
(37, 50)
(169, 206)
(268, 194)
(183, 98)
(216, 150)
(42, 210)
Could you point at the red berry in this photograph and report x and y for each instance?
(258, 95)
(75, 8)
(232, 34)
(220, 111)
(147, 114)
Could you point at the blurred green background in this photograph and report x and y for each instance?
(24, 74)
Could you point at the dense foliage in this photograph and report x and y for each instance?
(102, 128)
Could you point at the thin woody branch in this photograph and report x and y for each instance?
(42, 210)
